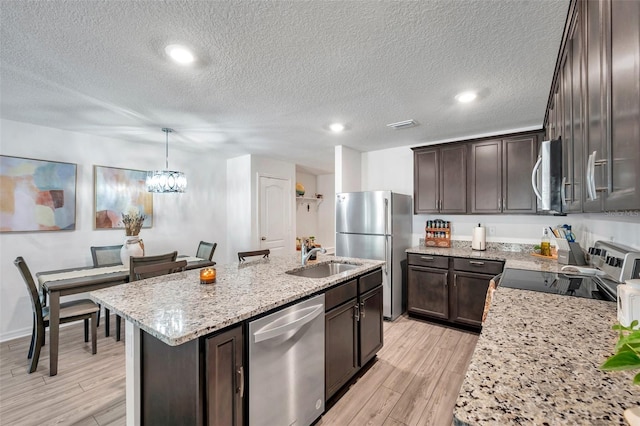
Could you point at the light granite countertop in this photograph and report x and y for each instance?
(176, 308)
(536, 362)
(512, 259)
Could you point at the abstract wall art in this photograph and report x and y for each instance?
(37, 195)
(119, 191)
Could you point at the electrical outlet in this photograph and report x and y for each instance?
(492, 230)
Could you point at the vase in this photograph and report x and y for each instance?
(133, 246)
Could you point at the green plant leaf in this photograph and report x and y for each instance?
(622, 361)
(636, 380)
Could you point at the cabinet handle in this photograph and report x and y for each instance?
(362, 313)
(426, 257)
(241, 380)
(476, 262)
(356, 313)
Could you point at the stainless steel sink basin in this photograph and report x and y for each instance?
(323, 270)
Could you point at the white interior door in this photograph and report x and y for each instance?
(274, 206)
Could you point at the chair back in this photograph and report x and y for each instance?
(135, 261)
(106, 255)
(157, 269)
(205, 250)
(243, 254)
(32, 289)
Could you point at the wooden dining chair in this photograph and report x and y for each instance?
(243, 254)
(206, 250)
(136, 262)
(105, 256)
(75, 310)
(157, 269)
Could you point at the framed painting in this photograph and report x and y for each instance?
(119, 191)
(37, 195)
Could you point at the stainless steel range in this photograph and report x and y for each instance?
(610, 264)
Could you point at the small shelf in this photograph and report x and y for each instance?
(308, 201)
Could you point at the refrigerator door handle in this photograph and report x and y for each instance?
(386, 255)
(386, 216)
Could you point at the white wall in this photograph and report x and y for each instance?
(392, 169)
(327, 211)
(347, 169)
(307, 218)
(239, 213)
(180, 220)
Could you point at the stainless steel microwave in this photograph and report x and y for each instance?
(547, 180)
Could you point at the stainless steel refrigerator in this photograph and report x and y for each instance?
(376, 225)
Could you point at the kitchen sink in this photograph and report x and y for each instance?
(323, 270)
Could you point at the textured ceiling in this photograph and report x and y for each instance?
(271, 76)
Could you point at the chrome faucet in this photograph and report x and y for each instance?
(305, 255)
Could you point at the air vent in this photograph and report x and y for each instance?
(403, 124)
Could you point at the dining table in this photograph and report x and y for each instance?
(64, 282)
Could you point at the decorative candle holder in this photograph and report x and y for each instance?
(207, 276)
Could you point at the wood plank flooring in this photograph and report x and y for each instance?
(414, 381)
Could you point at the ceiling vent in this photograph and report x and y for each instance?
(403, 124)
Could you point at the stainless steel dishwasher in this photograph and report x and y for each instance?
(286, 365)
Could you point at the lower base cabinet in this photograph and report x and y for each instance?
(353, 328)
(225, 378)
(449, 289)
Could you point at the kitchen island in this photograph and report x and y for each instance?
(170, 322)
(536, 362)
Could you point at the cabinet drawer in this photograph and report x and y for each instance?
(340, 294)
(370, 280)
(490, 267)
(429, 260)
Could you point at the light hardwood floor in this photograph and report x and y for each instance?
(414, 381)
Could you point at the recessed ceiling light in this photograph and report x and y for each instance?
(465, 97)
(336, 127)
(179, 54)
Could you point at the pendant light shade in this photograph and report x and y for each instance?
(162, 181)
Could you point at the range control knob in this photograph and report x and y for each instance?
(608, 260)
(618, 263)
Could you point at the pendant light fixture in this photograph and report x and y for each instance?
(162, 181)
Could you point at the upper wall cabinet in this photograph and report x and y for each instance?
(440, 179)
(500, 175)
(595, 105)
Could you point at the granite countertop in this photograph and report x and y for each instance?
(512, 259)
(177, 308)
(536, 362)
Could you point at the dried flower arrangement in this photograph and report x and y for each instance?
(132, 221)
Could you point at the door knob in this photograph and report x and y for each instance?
(263, 238)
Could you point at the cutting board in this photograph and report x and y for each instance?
(552, 257)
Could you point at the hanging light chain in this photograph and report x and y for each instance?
(167, 130)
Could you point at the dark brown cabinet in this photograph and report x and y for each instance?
(623, 190)
(500, 175)
(427, 291)
(598, 83)
(353, 328)
(451, 289)
(468, 293)
(225, 378)
(370, 325)
(440, 179)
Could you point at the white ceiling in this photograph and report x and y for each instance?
(271, 76)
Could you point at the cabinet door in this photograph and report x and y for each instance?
(468, 296)
(624, 160)
(427, 291)
(577, 91)
(225, 378)
(597, 108)
(453, 182)
(370, 324)
(341, 346)
(426, 180)
(518, 158)
(485, 180)
(567, 128)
